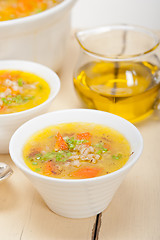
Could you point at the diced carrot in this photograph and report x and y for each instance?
(13, 92)
(108, 146)
(3, 88)
(86, 172)
(50, 168)
(2, 108)
(6, 75)
(25, 3)
(85, 136)
(60, 143)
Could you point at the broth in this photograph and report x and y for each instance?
(76, 151)
(20, 91)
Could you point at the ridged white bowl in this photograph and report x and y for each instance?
(78, 198)
(10, 122)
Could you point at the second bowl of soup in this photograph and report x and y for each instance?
(77, 158)
(26, 90)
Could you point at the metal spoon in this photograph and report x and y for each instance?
(5, 171)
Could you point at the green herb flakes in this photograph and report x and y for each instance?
(37, 169)
(34, 163)
(117, 157)
(20, 82)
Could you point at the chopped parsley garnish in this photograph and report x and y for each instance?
(68, 154)
(28, 98)
(20, 82)
(48, 156)
(100, 147)
(117, 157)
(56, 156)
(72, 142)
(34, 163)
(16, 99)
(38, 156)
(40, 87)
(6, 101)
(37, 169)
(60, 156)
(38, 10)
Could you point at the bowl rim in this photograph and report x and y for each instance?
(75, 181)
(51, 96)
(35, 17)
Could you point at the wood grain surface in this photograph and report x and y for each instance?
(133, 214)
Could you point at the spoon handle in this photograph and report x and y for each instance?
(5, 171)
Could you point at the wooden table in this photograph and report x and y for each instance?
(134, 213)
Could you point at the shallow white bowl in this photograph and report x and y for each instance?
(78, 198)
(40, 38)
(10, 122)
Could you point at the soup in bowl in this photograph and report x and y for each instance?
(12, 9)
(27, 90)
(77, 158)
(21, 90)
(76, 151)
(36, 30)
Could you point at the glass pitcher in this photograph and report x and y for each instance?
(118, 70)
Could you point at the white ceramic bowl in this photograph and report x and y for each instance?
(10, 122)
(40, 38)
(78, 198)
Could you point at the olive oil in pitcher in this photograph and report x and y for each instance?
(128, 89)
